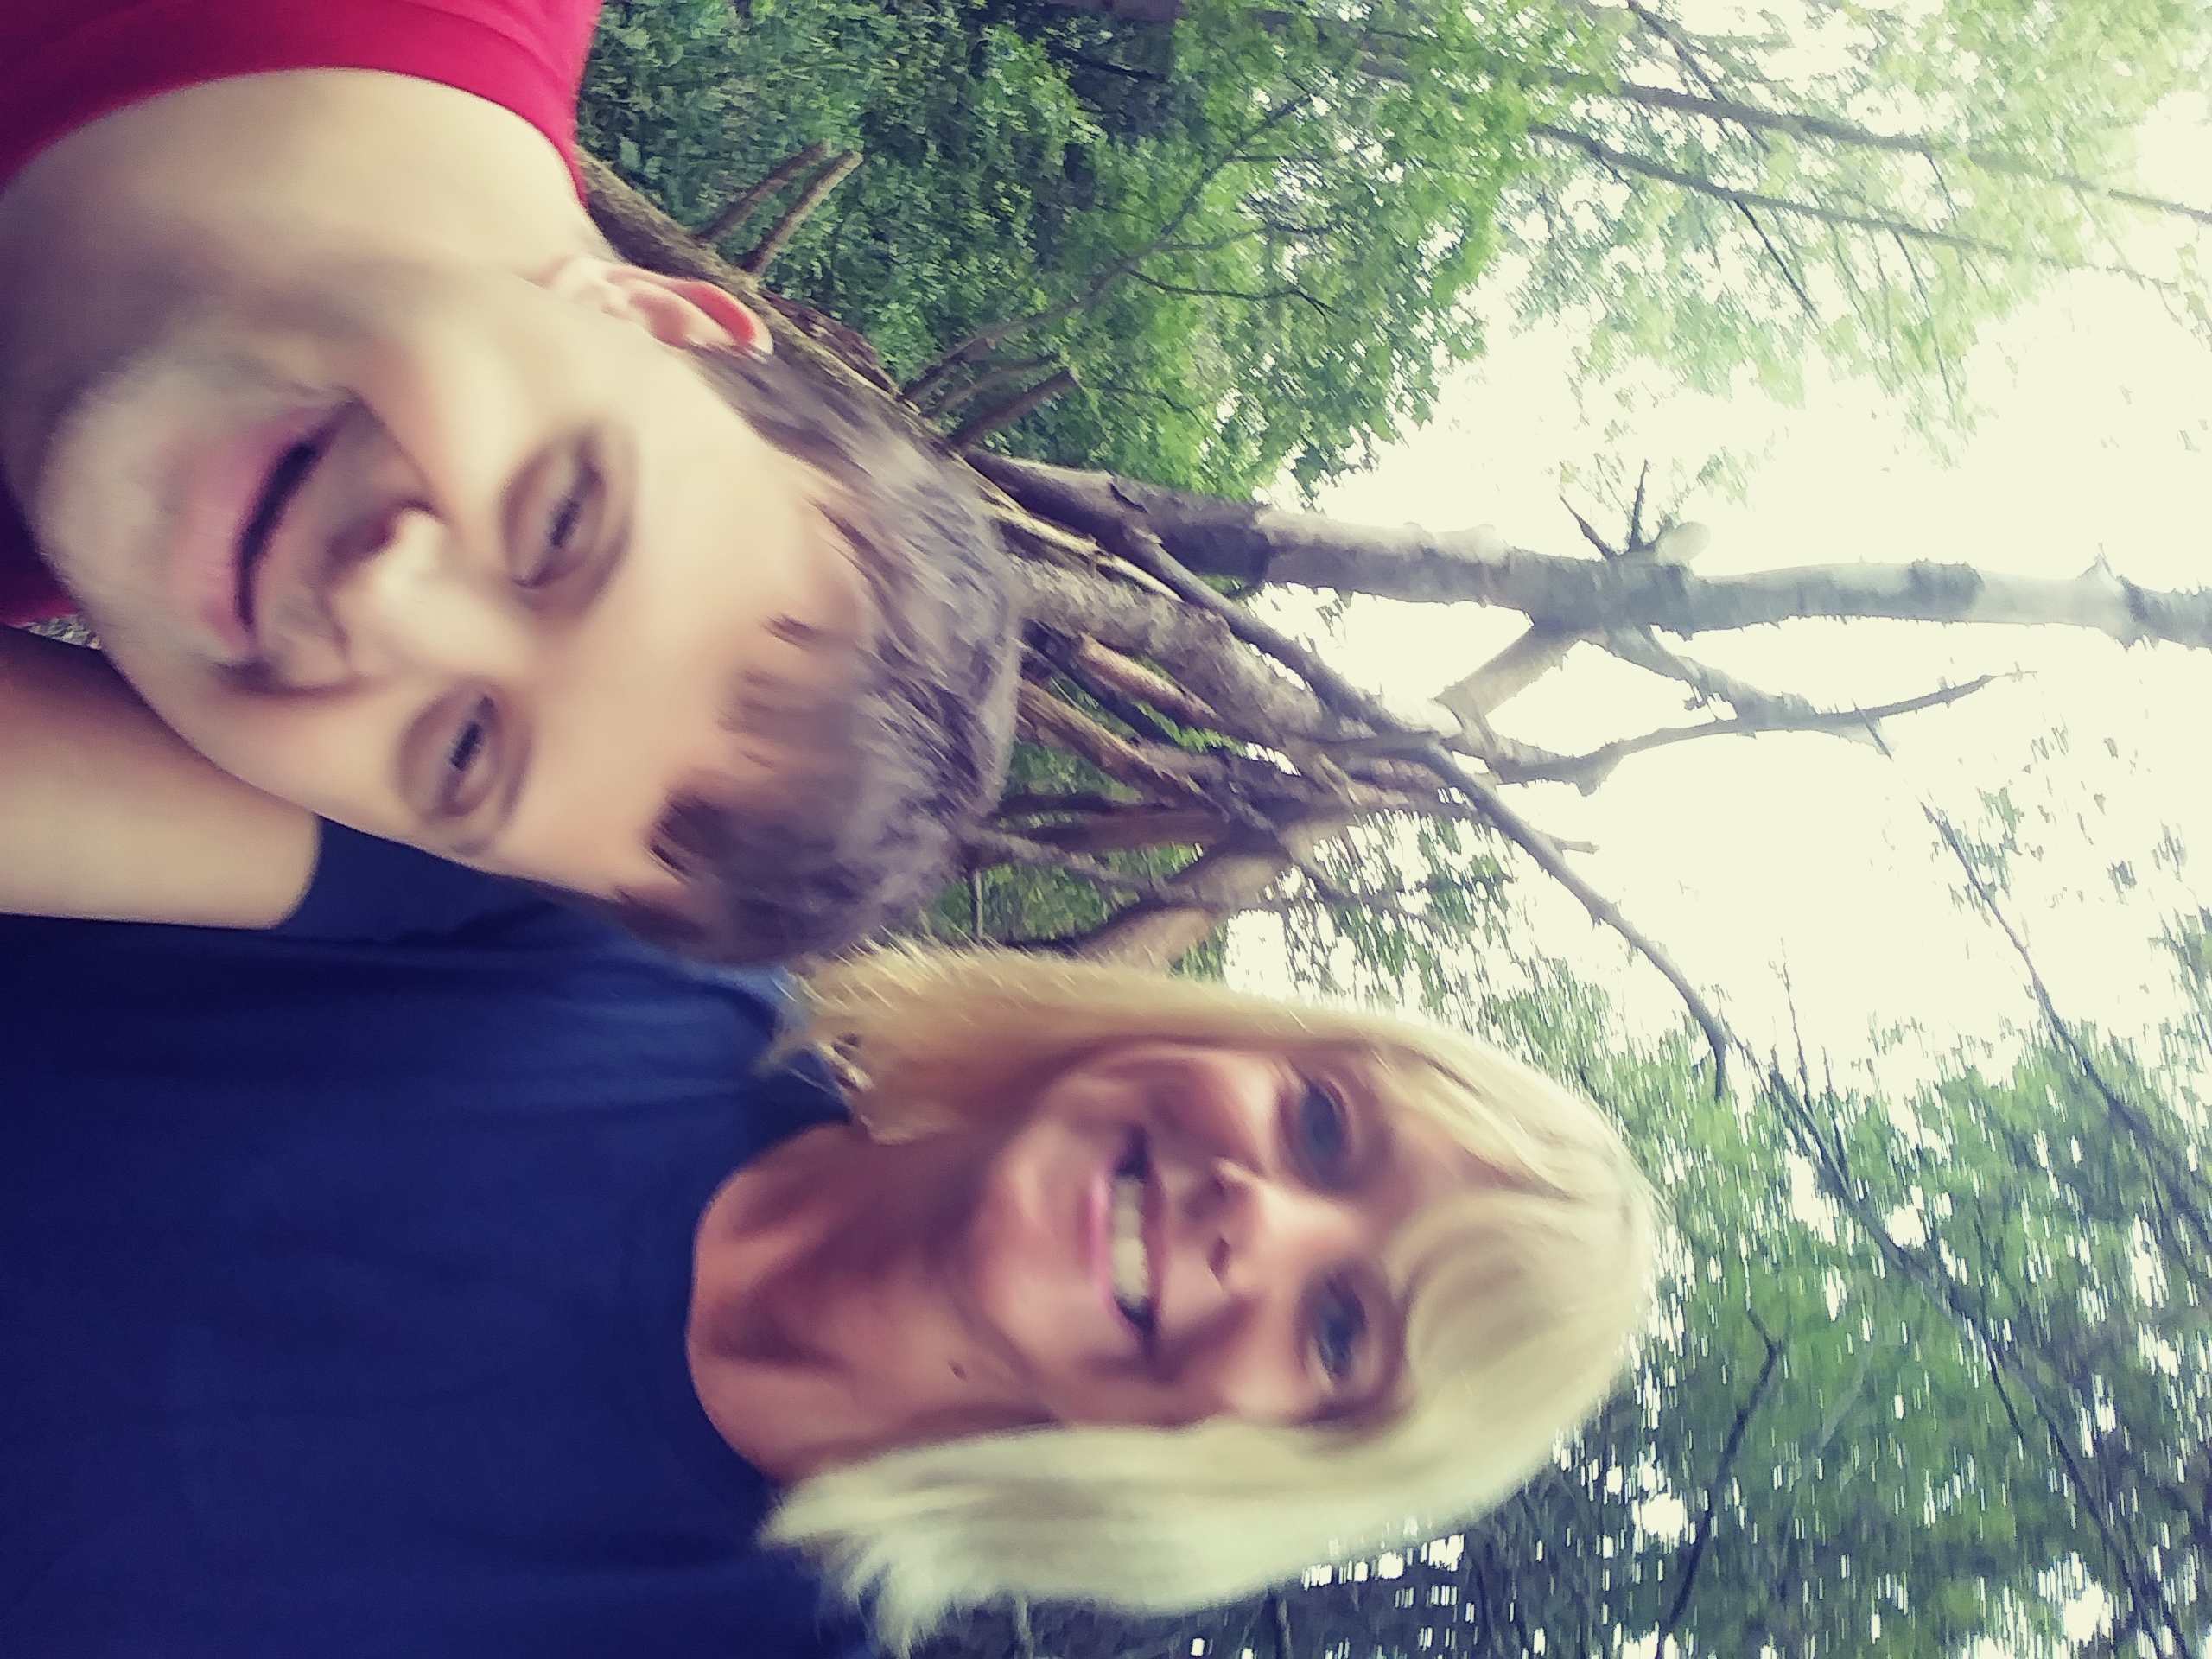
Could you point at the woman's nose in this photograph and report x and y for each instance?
(412, 605)
(1255, 1227)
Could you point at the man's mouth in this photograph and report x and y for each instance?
(285, 477)
(1128, 1257)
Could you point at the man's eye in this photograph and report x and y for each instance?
(1320, 1133)
(1339, 1325)
(467, 772)
(565, 538)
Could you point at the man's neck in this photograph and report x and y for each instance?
(257, 181)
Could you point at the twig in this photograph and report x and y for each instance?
(1642, 648)
(1587, 772)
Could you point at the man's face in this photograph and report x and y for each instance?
(459, 559)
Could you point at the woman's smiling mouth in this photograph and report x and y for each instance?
(1128, 1257)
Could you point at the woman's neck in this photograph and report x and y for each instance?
(824, 1326)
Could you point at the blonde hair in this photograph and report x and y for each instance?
(1522, 1300)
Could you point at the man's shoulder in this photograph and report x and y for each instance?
(66, 63)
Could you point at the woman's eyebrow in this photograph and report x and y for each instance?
(1371, 1119)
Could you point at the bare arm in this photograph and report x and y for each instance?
(106, 813)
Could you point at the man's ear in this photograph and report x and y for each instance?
(680, 311)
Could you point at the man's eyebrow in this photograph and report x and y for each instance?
(792, 632)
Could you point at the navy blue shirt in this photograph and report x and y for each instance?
(344, 1275)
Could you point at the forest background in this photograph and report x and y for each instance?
(1926, 1377)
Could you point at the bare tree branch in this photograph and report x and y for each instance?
(1587, 772)
(1134, 679)
(1141, 765)
(1132, 829)
(1641, 647)
(995, 846)
(1206, 894)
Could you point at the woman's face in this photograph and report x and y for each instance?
(1177, 1231)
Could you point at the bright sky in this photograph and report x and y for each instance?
(1741, 855)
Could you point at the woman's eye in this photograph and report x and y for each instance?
(1339, 1323)
(462, 779)
(1322, 1133)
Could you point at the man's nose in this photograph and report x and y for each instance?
(413, 605)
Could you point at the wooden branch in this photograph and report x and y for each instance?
(974, 431)
(1062, 801)
(1753, 118)
(1142, 720)
(1251, 701)
(821, 185)
(1542, 648)
(741, 208)
(1133, 679)
(1133, 829)
(1143, 767)
(1836, 217)
(2182, 1174)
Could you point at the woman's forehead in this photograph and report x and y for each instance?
(1429, 1164)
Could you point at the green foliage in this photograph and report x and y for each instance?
(1288, 238)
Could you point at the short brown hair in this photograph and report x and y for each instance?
(914, 759)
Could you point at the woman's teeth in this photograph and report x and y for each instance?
(1130, 1261)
